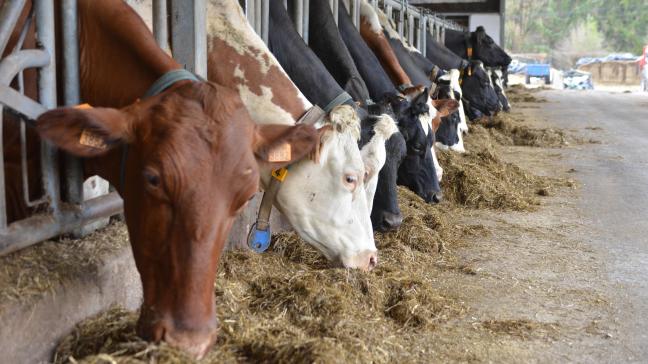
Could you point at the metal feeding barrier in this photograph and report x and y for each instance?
(181, 22)
(65, 210)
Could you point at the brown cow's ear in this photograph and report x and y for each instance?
(445, 107)
(84, 132)
(281, 145)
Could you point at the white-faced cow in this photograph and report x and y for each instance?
(324, 199)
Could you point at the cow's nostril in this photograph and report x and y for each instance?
(392, 221)
(373, 262)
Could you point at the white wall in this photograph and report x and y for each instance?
(490, 22)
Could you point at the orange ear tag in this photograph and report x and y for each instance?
(90, 139)
(280, 153)
(470, 52)
(280, 174)
(83, 106)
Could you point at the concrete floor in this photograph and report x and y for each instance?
(614, 198)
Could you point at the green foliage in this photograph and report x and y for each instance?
(541, 25)
(624, 23)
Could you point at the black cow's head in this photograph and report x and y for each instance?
(479, 96)
(486, 50)
(498, 85)
(417, 170)
(385, 214)
(447, 134)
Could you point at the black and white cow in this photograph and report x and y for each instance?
(331, 50)
(497, 78)
(477, 45)
(405, 145)
(468, 79)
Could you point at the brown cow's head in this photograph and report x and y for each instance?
(193, 164)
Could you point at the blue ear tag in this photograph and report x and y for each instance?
(259, 240)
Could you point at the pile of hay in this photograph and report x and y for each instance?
(287, 305)
(481, 179)
(510, 129)
(520, 93)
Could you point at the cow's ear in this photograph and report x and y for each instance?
(84, 132)
(445, 107)
(281, 145)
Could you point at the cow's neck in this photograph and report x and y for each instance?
(119, 61)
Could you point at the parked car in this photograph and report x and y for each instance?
(577, 80)
(538, 70)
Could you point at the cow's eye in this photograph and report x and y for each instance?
(351, 181)
(152, 178)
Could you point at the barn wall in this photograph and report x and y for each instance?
(490, 22)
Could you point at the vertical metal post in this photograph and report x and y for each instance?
(9, 15)
(257, 16)
(401, 21)
(442, 34)
(44, 14)
(388, 11)
(160, 23)
(355, 12)
(410, 30)
(306, 21)
(3, 202)
(71, 96)
(298, 16)
(422, 41)
(188, 34)
(265, 19)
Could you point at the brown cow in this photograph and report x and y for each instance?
(193, 163)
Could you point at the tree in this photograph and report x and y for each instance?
(624, 23)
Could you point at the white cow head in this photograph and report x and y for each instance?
(326, 202)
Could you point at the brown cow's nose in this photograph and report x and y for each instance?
(195, 341)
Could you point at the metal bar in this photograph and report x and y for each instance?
(422, 41)
(188, 34)
(18, 61)
(37, 228)
(21, 105)
(3, 197)
(401, 21)
(9, 15)
(73, 172)
(306, 19)
(355, 12)
(298, 16)
(161, 23)
(336, 7)
(410, 30)
(44, 11)
(388, 11)
(265, 19)
(257, 17)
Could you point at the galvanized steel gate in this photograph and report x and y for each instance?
(186, 24)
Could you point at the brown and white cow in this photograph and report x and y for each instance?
(322, 199)
(193, 131)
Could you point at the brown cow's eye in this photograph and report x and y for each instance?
(152, 178)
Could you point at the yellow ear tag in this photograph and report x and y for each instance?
(280, 153)
(470, 52)
(90, 139)
(469, 71)
(280, 174)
